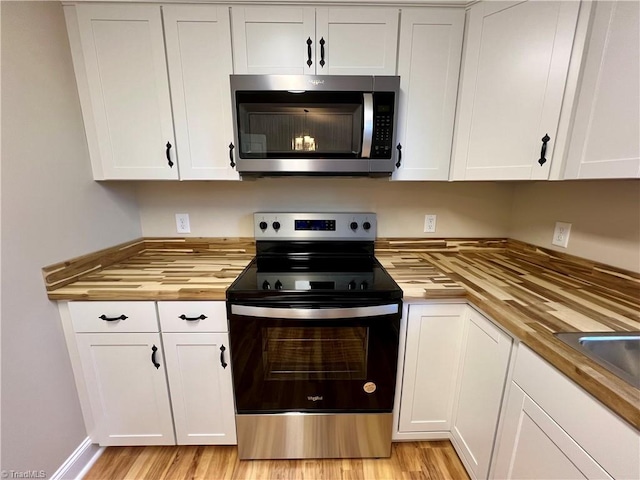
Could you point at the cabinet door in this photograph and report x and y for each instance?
(121, 63)
(201, 389)
(431, 358)
(428, 65)
(605, 142)
(198, 42)
(128, 394)
(274, 40)
(485, 358)
(356, 41)
(533, 446)
(514, 74)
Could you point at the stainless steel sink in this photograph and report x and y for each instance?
(618, 352)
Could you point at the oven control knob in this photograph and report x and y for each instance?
(263, 226)
(278, 285)
(366, 225)
(364, 285)
(354, 226)
(351, 285)
(266, 285)
(276, 225)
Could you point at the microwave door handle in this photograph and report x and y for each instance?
(367, 131)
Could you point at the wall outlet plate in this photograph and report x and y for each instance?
(561, 234)
(430, 223)
(182, 223)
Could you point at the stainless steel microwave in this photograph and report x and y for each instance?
(314, 125)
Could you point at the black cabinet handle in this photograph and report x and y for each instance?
(154, 349)
(192, 319)
(309, 62)
(112, 319)
(322, 42)
(222, 362)
(169, 155)
(543, 152)
(231, 162)
(399, 147)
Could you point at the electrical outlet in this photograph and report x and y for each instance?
(182, 223)
(561, 234)
(430, 223)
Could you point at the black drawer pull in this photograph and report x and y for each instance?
(154, 349)
(322, 42)
(112, 319)
(399, 162)
(543, 151)
(309, 62)
(169, 155)
(192, 319)
(222, 362)
(231, 162)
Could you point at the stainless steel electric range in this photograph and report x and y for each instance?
(314, 322)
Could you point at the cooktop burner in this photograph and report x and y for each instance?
(314, 257)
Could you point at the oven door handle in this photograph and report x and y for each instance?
(314, 313)
(367, 130)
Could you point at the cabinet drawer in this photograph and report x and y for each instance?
(101, 317)
(193, 316)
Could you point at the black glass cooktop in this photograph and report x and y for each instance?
(320, 275)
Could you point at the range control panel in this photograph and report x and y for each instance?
(315, 226)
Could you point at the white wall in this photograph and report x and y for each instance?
(51, 211)
(225, 209)
(605, 218)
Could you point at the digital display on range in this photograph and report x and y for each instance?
(316, 225)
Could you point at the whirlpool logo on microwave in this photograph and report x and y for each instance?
(316, 82)
(315, 398)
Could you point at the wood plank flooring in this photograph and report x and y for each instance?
(408, 461)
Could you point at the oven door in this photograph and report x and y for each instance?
(314, 359)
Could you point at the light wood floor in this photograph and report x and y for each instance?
(408, 461)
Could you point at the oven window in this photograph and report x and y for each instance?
(295, 125)
(326, 353)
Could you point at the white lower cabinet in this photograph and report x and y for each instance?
(136, 383)
(429, 367)
(196, 348)
(552, 429)
(118, 365)
(483, 370)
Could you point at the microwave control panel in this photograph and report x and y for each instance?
(382, 144)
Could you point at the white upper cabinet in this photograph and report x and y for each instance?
(119, 59)
(322, 41)
(198, 43)
(428, 65)
(605, 141)
(356, 41)
(513, 80)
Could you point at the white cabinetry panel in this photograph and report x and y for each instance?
(287, 40)
(605, 142)
(485, 358)
(127, 393)
(201, 387)
(359, 41)
(535, 447)
(272, 40)
(428, 65)
(432, 353)
(122, 61)
(514, 74)
(198, 43)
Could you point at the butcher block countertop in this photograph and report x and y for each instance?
(531, 292)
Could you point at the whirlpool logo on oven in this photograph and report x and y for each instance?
(315, 398)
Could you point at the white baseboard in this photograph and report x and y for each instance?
(79, 462)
